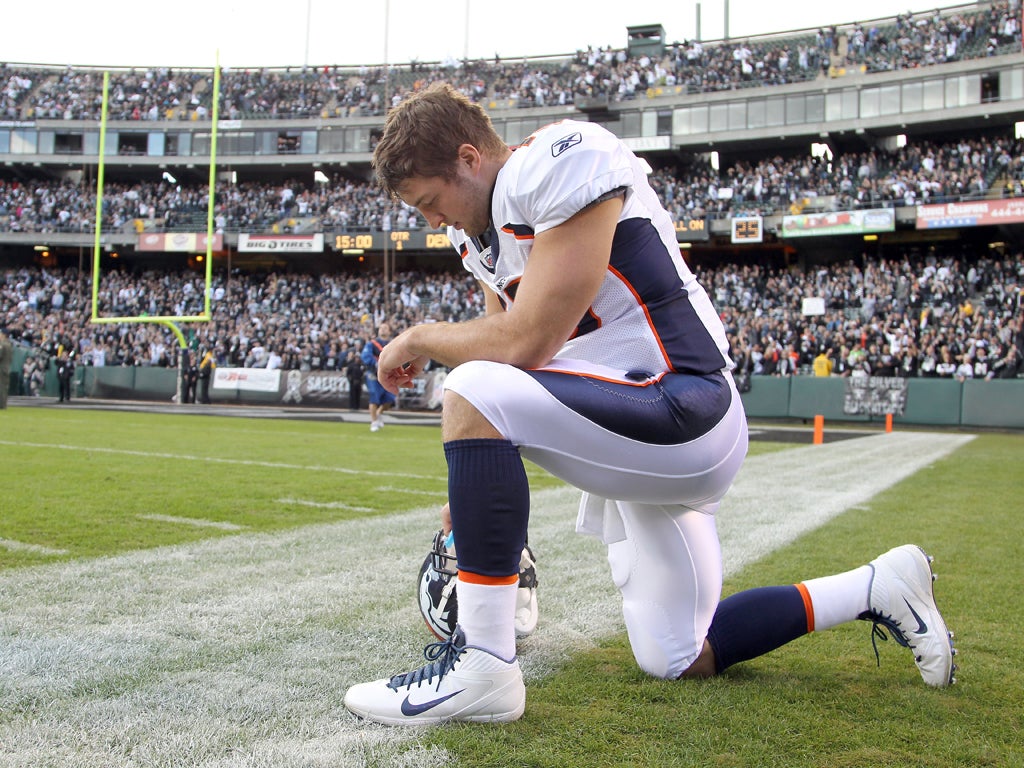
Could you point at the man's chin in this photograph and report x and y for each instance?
(470, 229)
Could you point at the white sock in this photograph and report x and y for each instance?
(487, 616)
(835, 599)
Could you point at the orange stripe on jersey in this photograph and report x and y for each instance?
(463, 250)
(492, 581)
(518, 231)
(808, 605)
(647, 314)
(624, 382)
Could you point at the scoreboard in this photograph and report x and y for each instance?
(395, 240)
(747, 229)
(375, 241)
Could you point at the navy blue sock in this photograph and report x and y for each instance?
(751, 623)
(489, 498)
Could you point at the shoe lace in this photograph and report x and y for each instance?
(441, 658)
(879, 623)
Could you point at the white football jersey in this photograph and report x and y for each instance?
(650, 315)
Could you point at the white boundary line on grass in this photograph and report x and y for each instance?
(237, 651)
(20, 546)
(196, 522)
(217, 460)
(322, 504)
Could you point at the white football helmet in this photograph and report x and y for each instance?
(439, 577)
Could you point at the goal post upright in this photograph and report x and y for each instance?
(171, 322)
(97, 241)
(168, 320)
(211, 189)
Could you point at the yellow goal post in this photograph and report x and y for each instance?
(170, 321)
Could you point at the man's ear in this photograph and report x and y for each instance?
(470, 156)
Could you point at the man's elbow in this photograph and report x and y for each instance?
(532, 355)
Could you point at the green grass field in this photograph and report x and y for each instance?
(169, 596)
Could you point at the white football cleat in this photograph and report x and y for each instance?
(459, 682)
(902, 600)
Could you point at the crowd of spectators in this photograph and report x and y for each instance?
(289, 321)
(913, 315)
(906, 41)
(921, 172)
(49, 205)
(933, 38)
(907, 316)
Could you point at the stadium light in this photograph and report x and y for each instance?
(168, 178)
(320, 177)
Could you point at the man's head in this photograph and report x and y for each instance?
(440, 154)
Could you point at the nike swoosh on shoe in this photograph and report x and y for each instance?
(411, 710)
(921, 626)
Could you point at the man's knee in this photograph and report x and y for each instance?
(462, 421)
(658, 650)
(703, 666)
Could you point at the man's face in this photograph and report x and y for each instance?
(463, 203)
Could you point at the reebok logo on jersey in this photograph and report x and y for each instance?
(566, 142)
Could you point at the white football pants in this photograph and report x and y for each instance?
(652, 504)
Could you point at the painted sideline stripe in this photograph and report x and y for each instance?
(323, 504)
(415, 491)
(20, 546)
(238, 650)
(218, 460)
(198, 522)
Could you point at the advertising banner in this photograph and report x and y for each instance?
(875, 395)
(839, 223)
(281, 243)
(320, 389)
(247, 379)
(971, 214)
(184, 242)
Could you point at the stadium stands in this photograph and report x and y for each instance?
(905, 42)
(898, 304)
(921, 172)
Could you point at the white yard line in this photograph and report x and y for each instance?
(20, 546)
(196, 522)
(322, 504)
(237, 651)
(216, 460)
